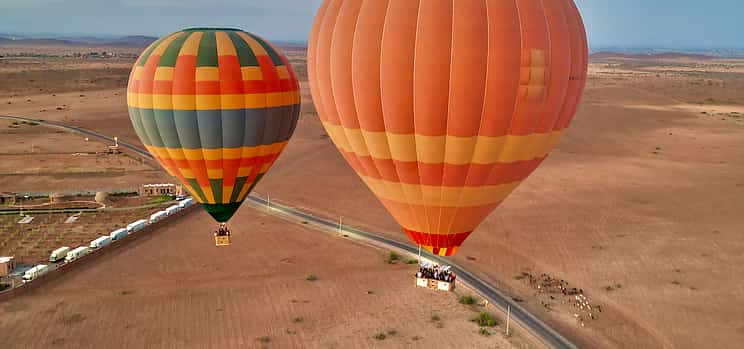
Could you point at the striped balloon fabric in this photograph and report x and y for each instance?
(216, 107)
(444, 107)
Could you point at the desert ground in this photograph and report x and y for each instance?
(173, 288)
(35, 158)
(640, 205)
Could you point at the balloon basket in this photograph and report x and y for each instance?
(222, 241)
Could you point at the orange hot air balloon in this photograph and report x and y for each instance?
(443, 107)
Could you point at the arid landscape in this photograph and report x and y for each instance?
(640, 206)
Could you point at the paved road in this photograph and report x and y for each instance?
(537, 327)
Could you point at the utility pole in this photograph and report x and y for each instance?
(508, 315)
(340, 221)
(268, 202)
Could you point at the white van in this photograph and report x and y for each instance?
(59, 254)
(136, 226)
(173, 209)
(35, 272)
(77, 253)
(100, 242)
(118, 234)
(157, 216)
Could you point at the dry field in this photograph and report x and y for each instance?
(33, 242)
(640, 205)
(173, 288)
(34, 158)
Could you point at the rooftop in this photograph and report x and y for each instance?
(6, 259)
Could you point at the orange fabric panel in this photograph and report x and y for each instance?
(366, 64)
(432, 74)
(396, 65)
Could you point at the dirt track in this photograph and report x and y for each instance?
(176, 289)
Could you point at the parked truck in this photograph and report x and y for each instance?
(77, 253)
(100, 242)
(35, 272)
(118, 234)
(59, 254)
(157, 216)
(136, 226)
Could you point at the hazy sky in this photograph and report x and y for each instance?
(657, 23)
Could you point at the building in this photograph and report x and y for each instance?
(7, 198)
(6, 266)
(161, 189)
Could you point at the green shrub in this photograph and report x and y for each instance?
(468, 300)
(311, 278)
(485, 319)
(380, 336)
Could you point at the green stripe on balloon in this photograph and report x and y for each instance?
(207, 51)
(246, 56)
(170, 56)
(221, 212)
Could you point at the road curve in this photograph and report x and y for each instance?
(538, 328)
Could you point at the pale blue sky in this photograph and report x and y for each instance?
(649, 23)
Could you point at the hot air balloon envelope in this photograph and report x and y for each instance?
(215, 107)
(444, 107)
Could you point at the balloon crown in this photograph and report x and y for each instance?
(200, 29)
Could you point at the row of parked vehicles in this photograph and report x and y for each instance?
(64, 254)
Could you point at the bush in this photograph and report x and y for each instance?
(485, 319)
(435, 318)
(264, 339)
(392, 258)
(311, 278)
(297, 319)
(412, 261)
(469, 300)
(484, 332)
(380, 336)
(392, 332)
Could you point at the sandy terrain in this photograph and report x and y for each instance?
(34, 158)
(175, 289)
(644, 193)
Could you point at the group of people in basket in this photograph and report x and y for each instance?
(436, 272)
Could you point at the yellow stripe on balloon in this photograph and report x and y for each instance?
(164, 74)
(225, 45)
(439, 196)
(191, 45)
(258, 50)
(207, 74)
(160, 49)
(431, 149)
(218, 153)
(251, 73)
(213, 102)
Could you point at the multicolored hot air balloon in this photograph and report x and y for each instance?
(443, 107)
(216, 107)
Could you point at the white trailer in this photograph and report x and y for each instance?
(100, 242)
(59, 254)
(155, 217)
(77, 253)
(136, 226)
(186, 203)
(35, 272)
(173, 209)
(118, 234)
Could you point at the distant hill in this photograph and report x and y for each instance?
(660, 55)
(125, 41)
(136, 40)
